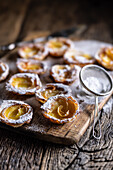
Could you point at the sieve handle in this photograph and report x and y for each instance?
(96, 111)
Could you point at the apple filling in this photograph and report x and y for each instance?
(30, 51)
(31, 66)
(15, 113)
(63, 108)
(50, 90)
(24, 83)
(105, 57)
(34, 51)
(73, 56)
(58, 46)
(55, 44)
(64, 73)
(60, 109)
(109, 53)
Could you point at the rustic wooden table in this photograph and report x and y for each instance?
(20, 18)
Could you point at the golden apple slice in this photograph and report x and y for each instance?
(31, 66)
(73, 56)
(65, 74)
(60, 109)
(105, 57)
(23, 83)
(33, 51)
(58, 46)
(15, 113)
(50, 90)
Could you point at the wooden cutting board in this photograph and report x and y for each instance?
(42, 128)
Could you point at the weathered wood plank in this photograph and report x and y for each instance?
(57, 157)
(57, 15)
(18, 152)
(12, 14)
(50, 15)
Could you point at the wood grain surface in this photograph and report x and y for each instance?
(11, 19)
(20, 152)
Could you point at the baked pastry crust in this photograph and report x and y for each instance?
(51, 90)
(4, 71)
(60, 109)
(72, 56)
(23, 83)
(15, 113)
(58, 46)
(33, 51)
(31, 66)
(105, 57)
(65, 74)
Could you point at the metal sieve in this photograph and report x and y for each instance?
(96, 81)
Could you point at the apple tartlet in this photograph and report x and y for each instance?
(4, 71)
(60, 109)
(15, 113)
(31, 66)
(105, 57)
(73, 56)
(65, 74)
(33, 51)
(23, 83)
(58, 46)
(50, 90)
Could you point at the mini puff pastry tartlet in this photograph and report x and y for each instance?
(105, 57)
(4, 71)
(65, 74)
(33, 51)
(60, 109)
(15, 113)
(31, 66)
(23, 83)
(50, 90)
(58, 46)
(72, 56)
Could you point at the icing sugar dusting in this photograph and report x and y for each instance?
(94, 84)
